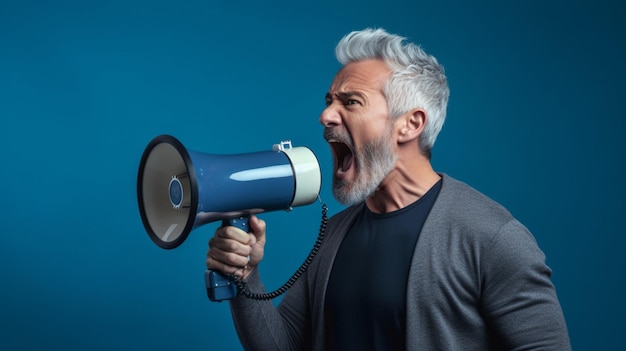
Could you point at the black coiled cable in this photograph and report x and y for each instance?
(242, 287)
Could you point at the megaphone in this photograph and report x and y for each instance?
(180, 190)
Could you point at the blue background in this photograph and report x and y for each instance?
(536, 121)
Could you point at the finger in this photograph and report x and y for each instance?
(232, 232)
(258, 226)
(213, 264)
(220, 257)
(229, 246)
(252, 241)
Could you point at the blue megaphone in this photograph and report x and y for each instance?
(180, 190)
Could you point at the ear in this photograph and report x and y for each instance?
(411, 125)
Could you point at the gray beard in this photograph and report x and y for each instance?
(373, 163)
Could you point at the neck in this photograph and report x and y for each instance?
(406, 183)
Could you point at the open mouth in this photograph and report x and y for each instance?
(343, 156)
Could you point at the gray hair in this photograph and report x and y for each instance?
(417, 80)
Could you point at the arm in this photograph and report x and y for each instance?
(259, 324)
(518, 299)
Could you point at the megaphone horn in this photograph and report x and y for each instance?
(180, 190)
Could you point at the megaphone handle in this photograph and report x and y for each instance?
(239, 222)
(219, 287)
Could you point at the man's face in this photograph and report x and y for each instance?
(358, 129)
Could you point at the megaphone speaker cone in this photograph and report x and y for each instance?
(166, 194)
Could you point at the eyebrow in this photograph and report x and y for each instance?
(345, 95)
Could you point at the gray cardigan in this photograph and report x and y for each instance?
(478, 281)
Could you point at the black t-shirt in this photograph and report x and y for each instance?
(365, 306)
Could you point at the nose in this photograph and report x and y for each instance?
(330, 117)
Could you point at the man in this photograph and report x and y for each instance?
(419, 261)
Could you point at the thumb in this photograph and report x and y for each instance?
(257, 228)
(257, 243)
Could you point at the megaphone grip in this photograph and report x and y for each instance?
(219, 287)
(239, 222)
(242, 288)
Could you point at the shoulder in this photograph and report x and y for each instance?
(467, 222)
(459, 204)
(474, 220)
(460, 195)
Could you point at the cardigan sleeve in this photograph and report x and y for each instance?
(518, 299)
(297, 322)
(262, 326)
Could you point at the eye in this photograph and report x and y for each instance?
(352, 102)
(328, 100)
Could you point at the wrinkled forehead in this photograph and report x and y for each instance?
(369, 75)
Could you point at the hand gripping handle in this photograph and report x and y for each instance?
(220, 287)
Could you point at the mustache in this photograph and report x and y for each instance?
(337, 135)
